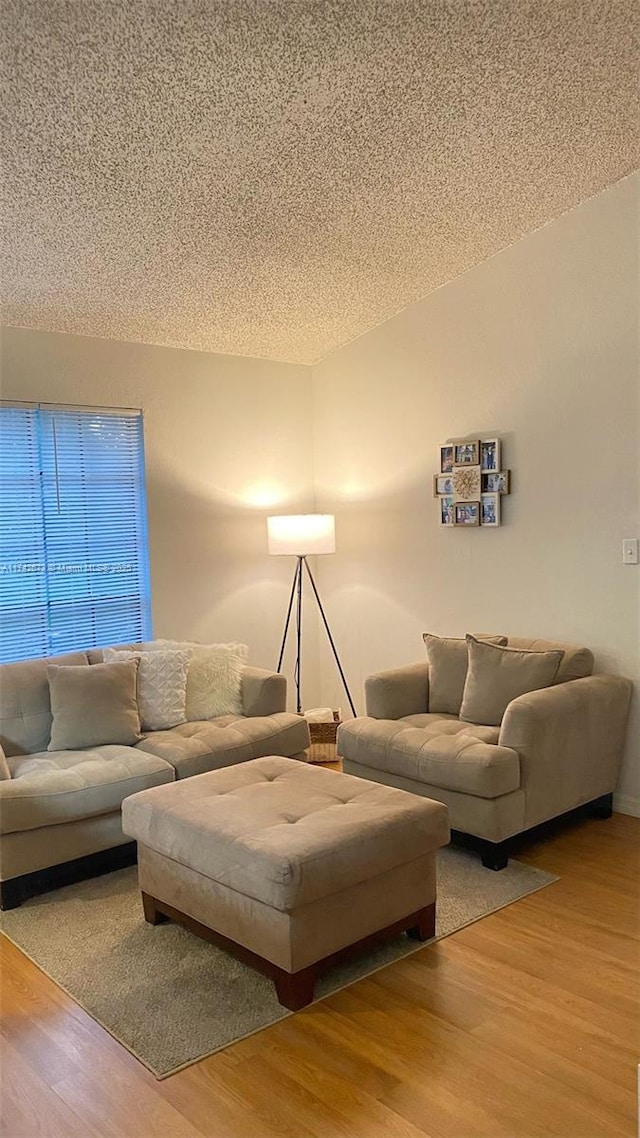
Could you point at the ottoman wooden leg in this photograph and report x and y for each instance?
(425, 929)
(295, 989)
(151, 914)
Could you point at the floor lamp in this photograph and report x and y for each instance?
(300, 535)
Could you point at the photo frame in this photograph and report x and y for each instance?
(446, 505)
(490, 455)
(442, 484)
(466, 514)
(490, 510)
(498, 482)
(466, 452)
(446, 458)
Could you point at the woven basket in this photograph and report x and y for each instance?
(324, 732)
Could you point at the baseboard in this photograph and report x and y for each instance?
(626, 804)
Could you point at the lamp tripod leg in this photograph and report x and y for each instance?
(328, 631)
(296, 573)
(298, 635)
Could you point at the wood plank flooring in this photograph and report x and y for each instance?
(523, 1025)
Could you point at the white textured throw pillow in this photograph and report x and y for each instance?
(162, 684)
(214, 681)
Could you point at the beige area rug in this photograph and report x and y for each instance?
(171, 998)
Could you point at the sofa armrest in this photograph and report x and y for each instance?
(5, 772)
(401, 691)
(570, 739)
(263, 692)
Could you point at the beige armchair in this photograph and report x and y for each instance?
(555, 749)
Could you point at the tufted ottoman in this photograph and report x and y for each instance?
(287, 865)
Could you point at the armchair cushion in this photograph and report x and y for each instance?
(445, 753)
(497, 675)
(448, 660)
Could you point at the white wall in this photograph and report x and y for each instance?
(540, 346)
(228, 440)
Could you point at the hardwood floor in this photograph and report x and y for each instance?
(522, 1025)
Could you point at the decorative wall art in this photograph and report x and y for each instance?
(471, 482)
(466, 482)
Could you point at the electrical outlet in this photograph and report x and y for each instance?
(630, 551)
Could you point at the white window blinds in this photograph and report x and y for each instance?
(74, 569)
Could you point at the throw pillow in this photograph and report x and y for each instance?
(93, 704)
(214, 682)
(448, 659)
(162, 684)
(5, 771)
(214, 677)
(497, 675)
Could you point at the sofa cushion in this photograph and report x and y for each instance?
(448, 659)
(497, 675)
(193, 748)
(25, 705)
(283, 833)
(61, 786)
(162, 684)
(93, 705)
(444, 753)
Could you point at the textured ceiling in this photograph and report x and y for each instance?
(274, 177)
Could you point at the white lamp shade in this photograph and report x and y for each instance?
(301, 534)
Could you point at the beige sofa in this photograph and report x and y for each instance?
(555, 749)
(60, 815)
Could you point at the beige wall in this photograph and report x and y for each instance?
(227, 441)
(538, 345)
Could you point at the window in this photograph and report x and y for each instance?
(74, 565)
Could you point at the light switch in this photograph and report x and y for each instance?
(630, 551)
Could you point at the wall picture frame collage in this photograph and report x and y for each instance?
(471, 483)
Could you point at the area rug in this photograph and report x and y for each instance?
(171, 998)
